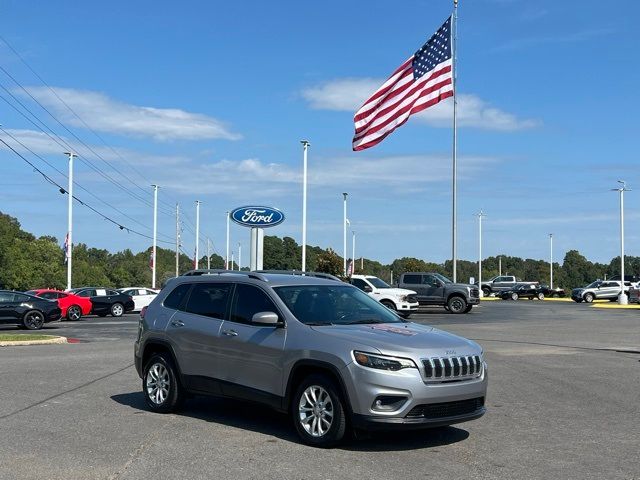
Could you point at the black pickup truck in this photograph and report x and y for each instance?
(436, 289)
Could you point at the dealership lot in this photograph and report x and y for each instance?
(562, 403)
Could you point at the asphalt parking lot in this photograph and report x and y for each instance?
(563, 403)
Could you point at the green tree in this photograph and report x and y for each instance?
(330, 262)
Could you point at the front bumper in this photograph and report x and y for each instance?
(407, 306)
(443, 403)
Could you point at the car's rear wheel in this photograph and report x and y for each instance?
(486, 292)
(468, 309)
(160, 385)
(514, 296)
(588, 297)
(318, 412)
(74, 313)
(541, 296)
(33, 320)
(117, 309)
(457, 304)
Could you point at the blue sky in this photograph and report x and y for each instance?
(210, 100)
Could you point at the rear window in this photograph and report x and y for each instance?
(176, 297)
(413, 279)
(209, 299)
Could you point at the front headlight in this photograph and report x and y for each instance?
(382, 362)
(403, 298)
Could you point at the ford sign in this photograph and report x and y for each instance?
(258, 217)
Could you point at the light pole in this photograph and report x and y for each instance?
(622, 299)
(208, 255)
(353, 251)
(305, 147)
(155, 235)
(551, 260)
(226, 261)
(480, 215)
(239, 256)
(196, 260)
(344, 236)
(177, 239)
(69, 240)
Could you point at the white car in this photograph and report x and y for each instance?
(401, 300)
(142, 297)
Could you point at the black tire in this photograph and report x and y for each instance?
(160, 385)
(577, 300)
(74, 312)
(588, 297)
(405, 314)
(613, 299)
(117, 309)
(389, 304)
(457, 304)
(468, 309)
(486, 292)
(33, 320)
(338, 425)
(514, 296)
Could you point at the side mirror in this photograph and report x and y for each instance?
(368, 289)
(436, 284)
(265, 318)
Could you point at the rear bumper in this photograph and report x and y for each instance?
(53, 315)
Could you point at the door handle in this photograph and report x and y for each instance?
(230, 333)
(177, 323)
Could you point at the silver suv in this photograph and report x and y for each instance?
(321, 350)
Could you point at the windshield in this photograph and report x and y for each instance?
(442, 277)
(376, 282)
(334, 305)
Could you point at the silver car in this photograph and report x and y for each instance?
(322, 351)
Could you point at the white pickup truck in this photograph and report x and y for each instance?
(401, 300)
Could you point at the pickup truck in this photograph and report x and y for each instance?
(402, 301)
(435, 289)
(501, 283)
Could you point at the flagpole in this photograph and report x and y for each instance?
(454, 215)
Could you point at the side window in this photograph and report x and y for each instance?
(49, 295)
(20, 298)
(87, 293)
(428, 279)
(6, 297)
(413, 279)
(111, 292)
(176, 298)
(358, 282)
(249, 300)
(209, 299)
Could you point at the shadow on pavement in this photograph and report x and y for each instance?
(262, 419)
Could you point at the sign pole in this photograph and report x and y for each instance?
(305, 147)
(454, 215)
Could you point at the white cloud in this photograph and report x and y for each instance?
(350, 93)
(105, 114)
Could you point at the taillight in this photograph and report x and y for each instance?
(143, 312)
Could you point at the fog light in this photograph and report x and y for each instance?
(388, 403)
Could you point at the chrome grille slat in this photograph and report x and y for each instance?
(452, 368)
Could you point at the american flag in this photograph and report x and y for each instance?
(66, 248)
(420, 82)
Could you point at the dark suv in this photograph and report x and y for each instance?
(435, 289)
(323, 351)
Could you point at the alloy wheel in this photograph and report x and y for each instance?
(117, 310)
(74, 313)
(315, 411)
(33, 320)
(158, 383)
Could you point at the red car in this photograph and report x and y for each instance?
(73, 307)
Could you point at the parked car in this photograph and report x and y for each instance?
(399, 300)
(553, 292)
(435, 289)
(599, 290)
(105, 301)
(501, 283)
(142, 297)
(73, 307)
(27, 311)
(523, 290)
(322, 351)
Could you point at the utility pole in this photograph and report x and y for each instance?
(500, 265)
(305, 147)
(480, 215)
(69, 242)
(232, 260)
(208, 256)
(155, 236)
(239, 256)
(226, 261)
(622, 299)
(551, 261)
(344, 236)
(195, 262)
(177, 239)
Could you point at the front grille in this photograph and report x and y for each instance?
(475, 293)
(446, 409)
(452, 368)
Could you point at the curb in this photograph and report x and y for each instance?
(22, 343)
(614, 306)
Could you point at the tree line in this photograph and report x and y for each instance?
(27, 262)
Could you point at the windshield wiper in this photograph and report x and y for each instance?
(364, 321)
(318, 324)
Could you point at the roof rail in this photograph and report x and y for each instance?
(327, 276)
(220, 271)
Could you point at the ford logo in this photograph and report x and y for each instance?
(261, 217)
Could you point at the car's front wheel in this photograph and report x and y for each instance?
(117, 309)
(389, 304)
(33, 320)
(74, 313)
(588, 297)
(318, 412)
(514, 296)
(457, 304)
(160, 385)
(541, 296)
